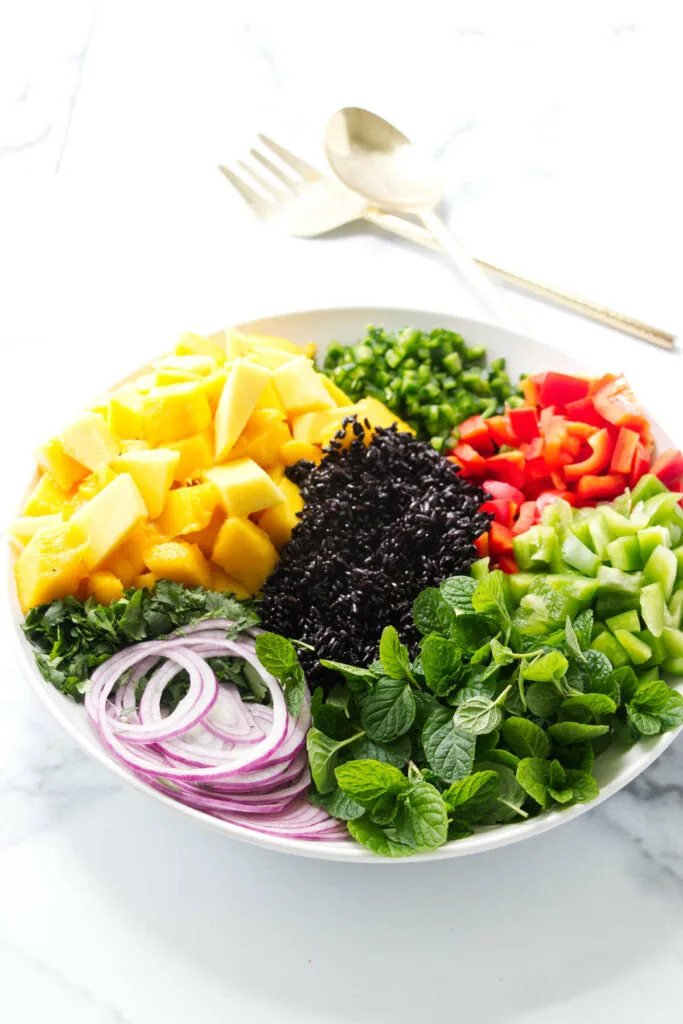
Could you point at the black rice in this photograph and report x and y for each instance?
(380, 523)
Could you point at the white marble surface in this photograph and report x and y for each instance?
(555, 131)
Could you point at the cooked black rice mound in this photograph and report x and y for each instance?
(380, 523)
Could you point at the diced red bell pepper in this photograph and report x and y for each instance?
(531, 388)
(548, 497)
(534, 488)
(500, 430)
(524, 423)
(624, 451)
(641, 465)
(668, 467)
(554, 439)
(536, 469)
(507, 466)
(647, 440)
(560, 388)
(482, 545)
(475, 433)
(499, 489)
(584, 411)
(608, 486)
(528, 516)
(601, 444)
(572, 445)
(508, 564)
(502, 509)
(532, 449)
(558, 480)
(583, 430)
(617, 403)
(473, 464)
(500, 539)
(600, 382)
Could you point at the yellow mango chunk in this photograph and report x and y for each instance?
(168, 375)
(128, 560)
(284, 344)
(109, 517)
(243, 487)
(313, 426)
(206, 538)
(224, 584)
(279, 522)
(294, 451)
(271, 357)
(276, 473)
(105, 587)
(145, 579)
(184, 563)
(236, 344)
(54, 460)
(213, 387)
(271, 400)
(174, 412)
(379, 415)
(145, 383)
(197, 365)
(266, 431)
(193, 345)
(300, 388)
(196, 455)
(28, 526)
(152, 470)
(242, 390)
(125, 413)
(46, 498)
(92, 485)
(188, 509)
(334, 392)
(52, 565)
(245, 552)
(100, 405)
(90, 441)
(132, 445)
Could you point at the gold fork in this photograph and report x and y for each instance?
(307, 203)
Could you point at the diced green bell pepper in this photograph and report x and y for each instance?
(661, 567)
(652, 607)
(615, 602)
(601, 535)
(647, 486)
(579, 556)
(480, 568)
(650, 538)
(626, 620)
(649, 675)
(638, 651)
(675, 610)
(534, 548)
(673, 642)
(624, 553)
(615, 580)
(656, 645)
(618, 525)
(660, 508)
(678, 554)
(518, 585)
(606, 644)
(674, 666)
(580, 529)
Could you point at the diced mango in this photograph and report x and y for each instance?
(54, 460)
(276, 473)
(145, 580)
(194, 345)
(105, 587)
(197, 365)
(313, 426)
(243, 487)
(213, 387)
(188, 509)
(168, 375)
(206, 538)
(132, 445)
(236, 344)
(294, 451)
(284, 344)
(245, 552)
(153, 471)
(47, 497)
(28, 526)
(224, 584)
(184, 563)
(128, 560)
(100, 405)
(379, 415)
(125, 413)
(52, 565)
(300, 388)
(92, 485)
(271, 357)
(266, 431)
(174, 412)
(278, 522)
(145, 383)
(110, 517)
(270, 399)
(334, 392)
(242, 390)
(196, 455)
(90, 441)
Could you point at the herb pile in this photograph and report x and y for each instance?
(380, 523)
(432, 381)
(490, 723)
(72, 637)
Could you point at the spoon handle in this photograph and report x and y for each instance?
(472, 273)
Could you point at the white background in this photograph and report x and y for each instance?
(557, 129)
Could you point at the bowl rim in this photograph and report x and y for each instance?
(346, 851)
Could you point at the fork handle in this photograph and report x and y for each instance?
(586, 307)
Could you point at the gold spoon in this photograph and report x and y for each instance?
(376, 160)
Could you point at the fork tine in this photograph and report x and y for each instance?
(251, 198)
(295, 162)
(274, 170)
(267, 186)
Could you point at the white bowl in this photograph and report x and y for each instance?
(613, 770)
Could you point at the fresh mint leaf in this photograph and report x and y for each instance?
(449, 751)
(441, 660)
(432, 613)
(575, 732)
(360, 679)
(549, 667)
(389, 711)
(584, 787)
(422, 821)
(599, 669)
(583, 629)
(505, 757)
(473, 798)
(367, 781)
(457, 592)
(656, 698)
(471, 631)
(511, 797)
(533, 775)
(394, 655)
(364, 830)
(489, 597)
(323, 757)
(572, 640)
(396, 753)
(480, 715)
(526, 739)
(459, 829)
(278, 656)
(338, 804)
(646, 724)
(543, 699)
(594, 703)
